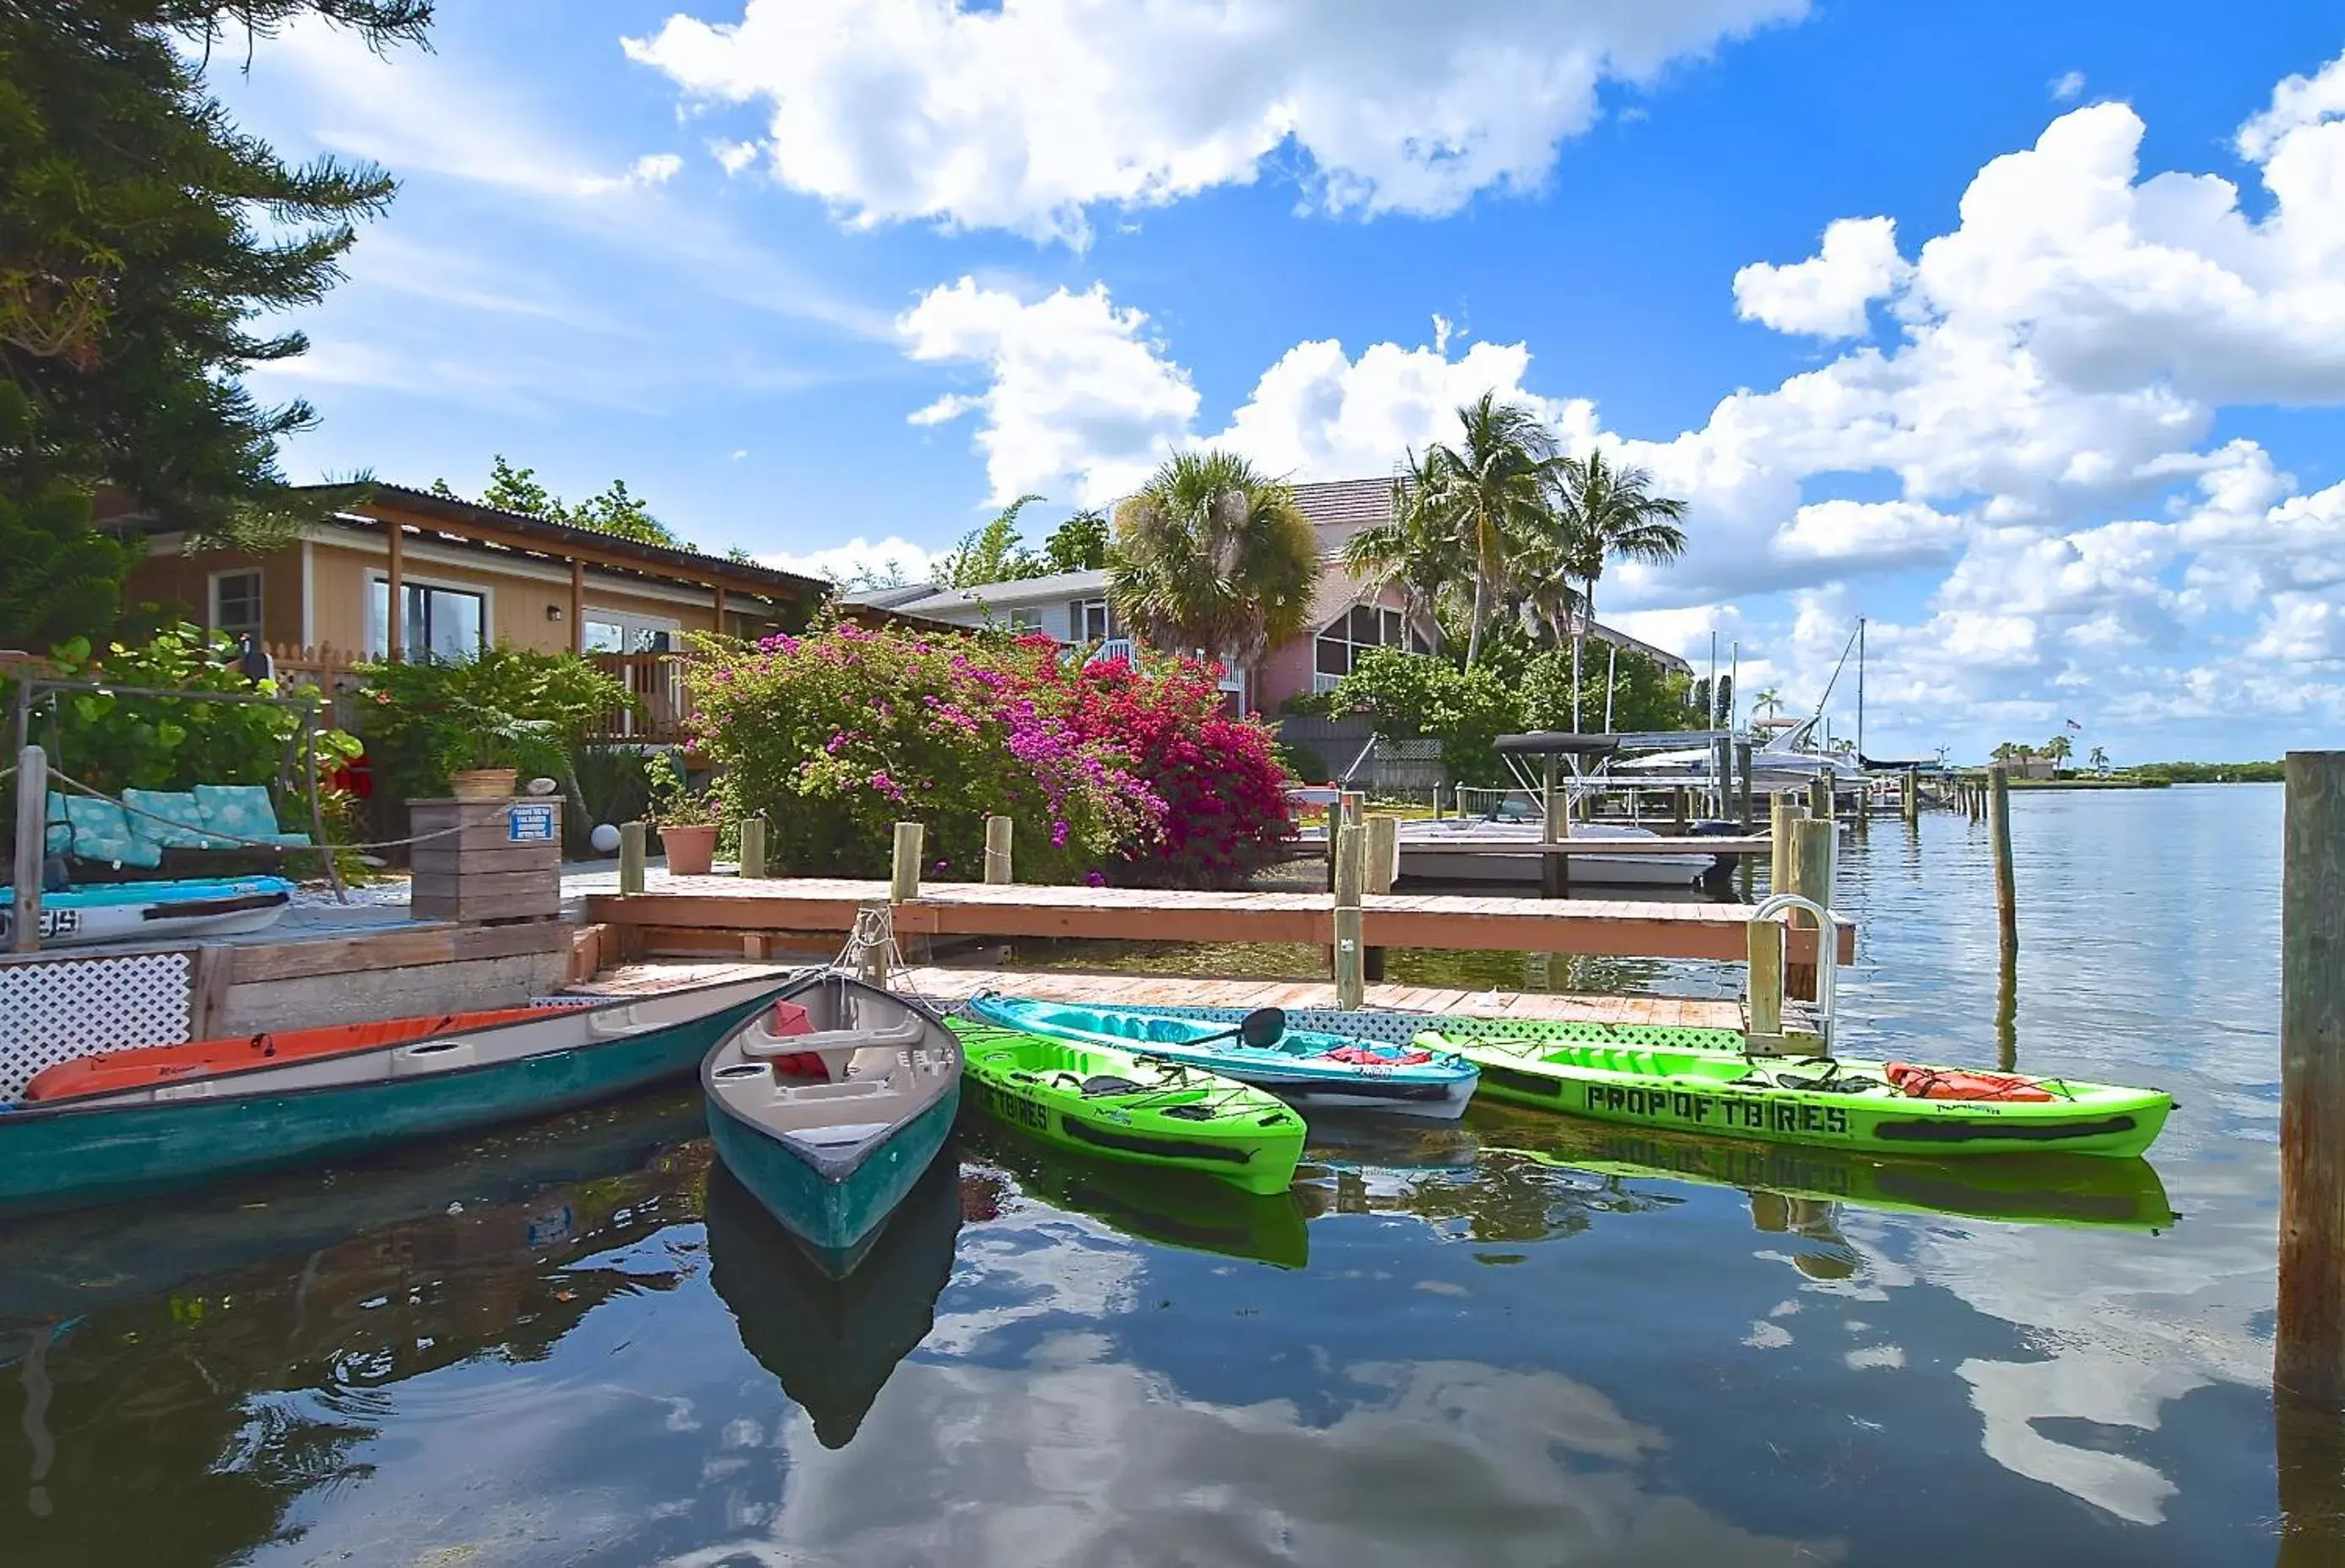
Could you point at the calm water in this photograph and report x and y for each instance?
(1515, 1343)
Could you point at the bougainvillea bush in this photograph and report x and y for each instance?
(836, 736)
(1223, 787)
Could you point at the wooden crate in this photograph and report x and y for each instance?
(502, 863)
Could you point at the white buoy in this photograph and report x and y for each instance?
(605, 840)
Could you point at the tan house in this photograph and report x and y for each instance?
(432, 577)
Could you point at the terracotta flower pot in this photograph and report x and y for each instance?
(691, 850)
(482, 783)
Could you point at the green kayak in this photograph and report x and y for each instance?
(1888, 1108)
(1114, 1105)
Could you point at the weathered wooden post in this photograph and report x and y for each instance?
(1812, 843)
(1822, 805)
(2006, 893)
(1678, 808)
(753, 848)
(1763, 1014)
(1910, 802)
(1350, 956)
(1382, 870)
(1743, 784)
(997, 850)
(2309, 1359)
(1783, 812)
(874, 925)
(31, 848)
(904, 867)
(1555, 818)
(631, 857)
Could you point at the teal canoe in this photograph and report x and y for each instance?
(102, 1149)
(830, 1125)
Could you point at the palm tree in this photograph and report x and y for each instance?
(1213, 557)
(2099, 759)
(1604, 512)
(1488, 492)
(1769, 702)
(1416, 552)
(2058, 748)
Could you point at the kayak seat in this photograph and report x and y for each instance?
(1191, 1112)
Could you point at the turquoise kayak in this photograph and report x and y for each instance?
(1308, 1069)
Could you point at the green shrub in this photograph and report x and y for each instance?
(1409, 695)
(1645, 695)
(509, 707)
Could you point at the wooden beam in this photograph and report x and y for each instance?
(720, 609)
(577, 606)
(904, 864)
(997, 849)
(395, 622)
(703, 575)
(31, 847)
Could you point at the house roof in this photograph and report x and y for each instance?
(1339, 508)
(563, 538)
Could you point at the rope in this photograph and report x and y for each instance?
(70, 781)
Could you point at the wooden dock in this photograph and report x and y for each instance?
(943, 984)
(683, 913)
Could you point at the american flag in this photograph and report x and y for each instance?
(2077, 727)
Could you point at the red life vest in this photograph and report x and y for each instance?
(1962, 1084)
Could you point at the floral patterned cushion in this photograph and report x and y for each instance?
(58, 837)
(101, 832)
(181, 822)
(238, 810)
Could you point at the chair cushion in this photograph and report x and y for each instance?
(239, 810)
(101, 832)
(58, 836)
(182, 821)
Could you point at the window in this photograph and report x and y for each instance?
(446, 625)
(617, 631)
(1025, 619)
(1090, 621)
(235, 603)
(1344, 639)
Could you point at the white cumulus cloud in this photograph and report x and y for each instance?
(1825, 295)
(1024, 115)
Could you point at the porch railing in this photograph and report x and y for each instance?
(655, 680)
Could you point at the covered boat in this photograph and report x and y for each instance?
(1889, 1107)
(1117, 1105)
(166, 1123)
(151, 911)
(829, 1105)
(1313, 1071)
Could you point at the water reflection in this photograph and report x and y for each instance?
(833, 1343)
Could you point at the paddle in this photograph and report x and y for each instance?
(1262, 1029)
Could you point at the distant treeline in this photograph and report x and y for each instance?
(2206, 772)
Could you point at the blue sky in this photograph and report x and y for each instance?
(2051, 406)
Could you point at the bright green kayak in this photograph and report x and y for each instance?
(1113, 1104)
(1886, 1107)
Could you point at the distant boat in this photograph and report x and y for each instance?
(830, 1105)
(832, 1343)
(166, 1123)
(1427, 851)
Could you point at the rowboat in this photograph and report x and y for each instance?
(832, 1343)
(152, 912)
(1171, 1208)
(1117, 1104)
(1889, 1107)
(174, 1128)
(828, 1106)
(1308, 1069)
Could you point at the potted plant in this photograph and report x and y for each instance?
(484, 750)
(685, 816)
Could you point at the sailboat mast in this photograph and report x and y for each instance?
(1860, 693)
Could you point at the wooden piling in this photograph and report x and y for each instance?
(1783, 812)
(904, 867)
(1350, 957)
(1383, 868)
(752, 847)
(2309, 1359)
(31, 848)
(997, 850)
(1813, 843)
(631, 857)
(1762, 1021)
(871, 962)
(1743, 784)
(1910, 799)
(2006, 893)
(1555, 815)
(1822, 805)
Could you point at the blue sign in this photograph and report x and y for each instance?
(529, 824)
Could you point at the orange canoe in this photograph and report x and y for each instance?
(147, 1066)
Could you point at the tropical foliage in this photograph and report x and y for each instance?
(423, 720)
(142, 236)
(1500, 526)
(59, 578)
(615, 510)
(996, 552)
(1211, 557)
(111, 742)
(1104, 770)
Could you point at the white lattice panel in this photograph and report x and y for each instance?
(55, 1011)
